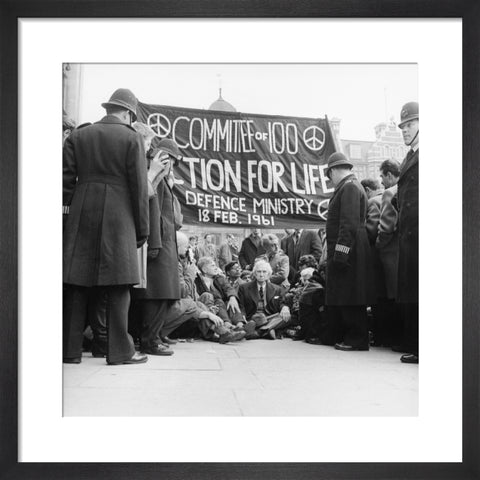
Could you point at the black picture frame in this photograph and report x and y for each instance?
(11, 10)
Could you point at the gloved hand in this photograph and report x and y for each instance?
(153, 253)
(141, 241)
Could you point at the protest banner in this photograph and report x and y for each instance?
(247, 170)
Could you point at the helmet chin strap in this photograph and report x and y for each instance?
(413, 139)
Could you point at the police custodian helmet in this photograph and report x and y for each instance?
(409, 112)
(123, 97)
(338, 159)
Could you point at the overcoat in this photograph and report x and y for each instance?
(407, 200)
(163, 281)
(309, 243)
(349, 274)
(221, 290)
(249, 251)
(248, 298)
(387, 241)
(226, 254)
(105, 192)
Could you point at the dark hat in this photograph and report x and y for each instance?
(260, 319)
(409, 112)
(229, 266)
(123, 97)
(170, 147)
(338, 159)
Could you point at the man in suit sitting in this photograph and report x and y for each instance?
(262, 302)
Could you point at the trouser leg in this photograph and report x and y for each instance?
(97, 316)
(397, 323)
(273, 323)
(179, 312)
(153, 318)
(134, 318)
(75, 303)
(235, 317)
(410, 319)
(356, 326)
(120, 343)
(336, 323)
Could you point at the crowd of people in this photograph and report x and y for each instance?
(135, 284)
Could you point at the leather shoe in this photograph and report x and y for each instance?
(136, 358)
(314, 341)
(72, 360)
(249, 327)
(271, 335)
(168, 341)
(160, 350)
(252, 336)
(349, 348)
(409, 358)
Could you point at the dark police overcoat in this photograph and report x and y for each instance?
(105, 190)
(407, 200)
(349, 276)
(163, 281)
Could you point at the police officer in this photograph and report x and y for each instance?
(348, 279)
(407, 202)
(105, 197)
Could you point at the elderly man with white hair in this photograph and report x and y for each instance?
(263, 303)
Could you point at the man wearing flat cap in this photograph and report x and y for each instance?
(105, 200)
(407, 202)
(348, 283)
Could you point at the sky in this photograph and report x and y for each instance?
(361, 95)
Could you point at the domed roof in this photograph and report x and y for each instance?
(222, 105)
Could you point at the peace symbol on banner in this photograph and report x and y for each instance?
(314, 138)
(160, 124)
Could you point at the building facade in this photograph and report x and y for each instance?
(367, 156)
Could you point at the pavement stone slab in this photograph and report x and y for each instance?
(248, 378)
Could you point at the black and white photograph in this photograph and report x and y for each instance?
(240, 239)
(227, 256)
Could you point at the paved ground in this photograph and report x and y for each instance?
(250, 378)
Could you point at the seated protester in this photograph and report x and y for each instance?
(277, 260)
(233, 272)
(292, 297)
(311, 310)
(208, 281)
(196, 318)
(246, 276)
(262, 302)
(305, 261)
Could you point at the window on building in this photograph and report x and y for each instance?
(355, 151)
